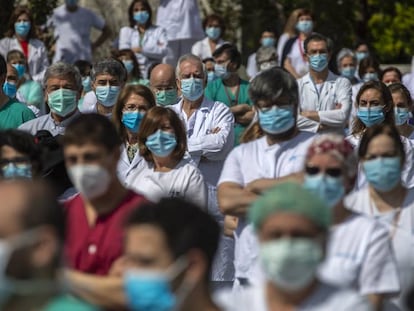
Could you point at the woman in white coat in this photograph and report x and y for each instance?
(166, 172)
(132, 104)
(148, 42)
(21, 35)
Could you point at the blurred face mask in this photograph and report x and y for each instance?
(86, 83)
(268, 42)
(10, 89)
(221, 71)
(401, 115)
(318, 62)
(21, 69)
(361, 55)
(13, 170)
(276, 120)
(161, 143)
(290, 263)
(62, 101)
(141, 17)
(348, 72)
(383, 173)
(304, 26)
(129, 65)
(71, 2)
(370, 76)
(211, 76)
(329, 189)
(192, 88)
(166, 97)
(22, 28)
(107, 95)
(213, 32)
(371, 116)
(91, 180)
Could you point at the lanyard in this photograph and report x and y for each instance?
(236, 100)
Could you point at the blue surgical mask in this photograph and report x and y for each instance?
(371, 116)
(348, 72)
(318, 62)
(361, 55)
(370, 76)
(13, 170)
(329, 189)
(129, 65)
(213, 32)
(107, 95)
(21, 69)
(192, 88)
(401, 115)
(161, 143)
(304, 26)
(10, 89)
(22, 28)
(166, 97)
(62, 101)
(141, 17)
(268, 42)
(132, 120)
(276, 120)
(86, 83)
(221, 71)
(211, 76)
(71, 2)
(383, 173)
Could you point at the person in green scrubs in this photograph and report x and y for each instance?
(229, 88)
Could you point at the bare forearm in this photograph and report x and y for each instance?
(288, 66)
(106, 32)
(312, 115)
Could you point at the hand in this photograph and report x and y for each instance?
(137, 50)
(338, 106)
(230, 225)
(240, 109)
(118, 267)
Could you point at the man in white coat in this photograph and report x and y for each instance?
(325, 98)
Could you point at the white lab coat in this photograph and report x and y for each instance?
(251, 68)
(154, 45)
(37, 59)
(202, 48)
(335, 91)
(125, 168)
(181, 19)
(401, 233)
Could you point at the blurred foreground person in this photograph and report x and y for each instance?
(169, 249)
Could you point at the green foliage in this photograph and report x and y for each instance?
(41, 9)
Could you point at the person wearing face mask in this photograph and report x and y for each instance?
(169, 250)
(108, 77)
(209, 63)
(361, 50)
(163, 85)
(390, 75)
(73, 43)
(403, 107)
(63, 86)
(229, 88)
(148, 41)
(266, 57)
(346, 63)
(293, 56)
(133, 103)
(214, 28)
(325, 98)
(166, 172)
(382, 156)
(292, 227)
(91, 147)
(278, 151)
(21, 35)
(128, 59)
(84, 68)
(32, 235)
(267, 40)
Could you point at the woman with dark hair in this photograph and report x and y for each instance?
(214, 28)
(132, 104)
(166, 172)
(403, 107)
(382, 157)
(21, 35)
(147, 41)
(127, 57)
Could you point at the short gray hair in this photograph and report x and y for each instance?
(266, 54)
(344, 53)
(109, 66)
(61, 69)
(189, 57)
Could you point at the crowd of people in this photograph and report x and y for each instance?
(161, 178)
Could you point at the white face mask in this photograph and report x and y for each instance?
(91, 180)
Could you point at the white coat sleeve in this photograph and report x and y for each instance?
(4, 44)
(125, 38)
(231, 171)
(158, 48)
(343, 97)
(196, 49)
(215, 146)
(302, 122)
(43, 64)
(408, 169)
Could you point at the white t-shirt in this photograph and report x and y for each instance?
(324, 298)
(401, 232)
(255, 160)
(184, 181)
(359, 255)
(73, 30)
(297, 59)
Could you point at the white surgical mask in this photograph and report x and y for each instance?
(91, 180)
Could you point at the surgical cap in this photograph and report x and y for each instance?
(292, 198)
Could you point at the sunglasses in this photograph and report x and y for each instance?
(315, 170)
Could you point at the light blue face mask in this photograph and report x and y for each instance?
(213, 32)
(276, 120)
(383, 174)
(329, 189)
(371, 116)
(10, 89)
(221, 71)
(141, 17)
(192, 88)
(268, 42)
(211, 76)
(21, 69)
(361, 55)
(401, 115)
(13, 171)
(161, 143)
(86, 83)
(132, 120)
(318, 62)
(348, 72)
(22, 28)
(370, 76)
(129, 65)
(107, 95)
(304, 26)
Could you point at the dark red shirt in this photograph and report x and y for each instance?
(25, 47)
(94, 249)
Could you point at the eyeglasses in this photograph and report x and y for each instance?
(332, 172)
